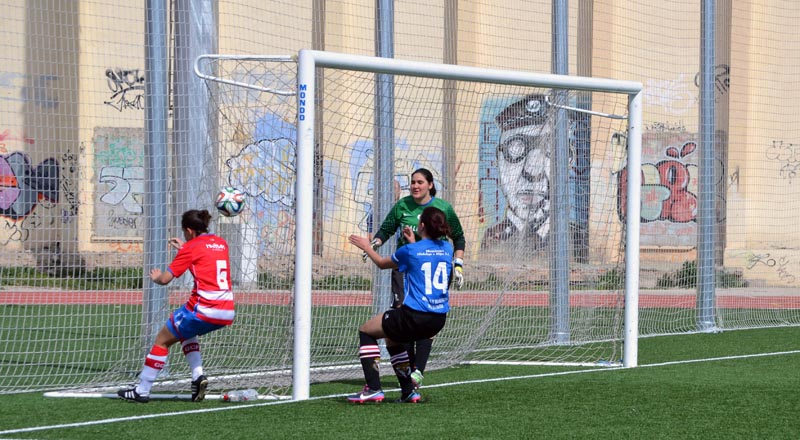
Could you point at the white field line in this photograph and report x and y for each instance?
(466, 382)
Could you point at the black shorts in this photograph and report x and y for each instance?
(407, 325)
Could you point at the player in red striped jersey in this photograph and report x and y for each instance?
(210, 306)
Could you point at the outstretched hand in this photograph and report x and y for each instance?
(175, 242)
(408, 234)
(359, 242)
(155, 274)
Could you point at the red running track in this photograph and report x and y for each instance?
(361, 298)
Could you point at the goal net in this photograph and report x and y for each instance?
(536, 167)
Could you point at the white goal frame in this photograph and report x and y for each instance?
(310, 60)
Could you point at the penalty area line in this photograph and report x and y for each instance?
(722, 358)
(333, 396)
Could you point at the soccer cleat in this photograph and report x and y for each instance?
(132, 396)
(412, 397)
(366, 395)
(416, 379)
(199, 388)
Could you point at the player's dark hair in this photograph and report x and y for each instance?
(436, 225)
(196, 220)
(428, 177)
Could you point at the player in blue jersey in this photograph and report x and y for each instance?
(406, 212)
(428, 266)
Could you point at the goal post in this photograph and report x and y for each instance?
(543, 171)
(308, 63)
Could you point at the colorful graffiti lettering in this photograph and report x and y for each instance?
(669, 188)
(23, 186)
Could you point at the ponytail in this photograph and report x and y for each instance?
(436, 225)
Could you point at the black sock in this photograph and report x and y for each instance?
(402, 368)
(412, 355)
(370, 355)
(423, 353)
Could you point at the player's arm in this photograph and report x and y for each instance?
(159, 277)
(178, 266)
(364, 244)
(176, 242)
(389, 225)
(459, 244)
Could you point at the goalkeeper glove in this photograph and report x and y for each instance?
(458, 272)
(375, 245)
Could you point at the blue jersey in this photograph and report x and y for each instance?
(427, 265)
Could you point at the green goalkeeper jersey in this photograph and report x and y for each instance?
(406, 212)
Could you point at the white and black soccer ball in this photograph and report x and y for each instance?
(230, 201)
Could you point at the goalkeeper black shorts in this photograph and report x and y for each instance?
(406, 324)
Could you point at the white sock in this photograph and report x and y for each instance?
(153, 363)
(191, 349)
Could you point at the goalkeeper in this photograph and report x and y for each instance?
(407, 212)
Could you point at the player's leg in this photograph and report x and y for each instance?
(402, 369)
(369, 354)
(153, 363)
(191, 326)
(191, 350)
(423, 352)
(430, 325)
(398, 295)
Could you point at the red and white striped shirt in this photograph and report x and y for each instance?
(206, 257)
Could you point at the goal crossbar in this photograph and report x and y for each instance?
(308, 62)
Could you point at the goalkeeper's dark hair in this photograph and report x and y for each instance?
(196, 220)
(428, 177)
(435, 221)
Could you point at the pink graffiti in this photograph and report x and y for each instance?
(674, 175)
(7, 136)
(22, 186)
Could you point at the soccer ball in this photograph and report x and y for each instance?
(230, 201)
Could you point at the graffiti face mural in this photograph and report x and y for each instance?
(524, 166)
(522, 162)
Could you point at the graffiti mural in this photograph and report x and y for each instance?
(407, 158)
(669, 189)
(28, 195)
(674, 97)
(787, 156)
(39, 90)
(127, 89)
(265, 170)
(514, 171)
(119, 174)
(24, 186)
